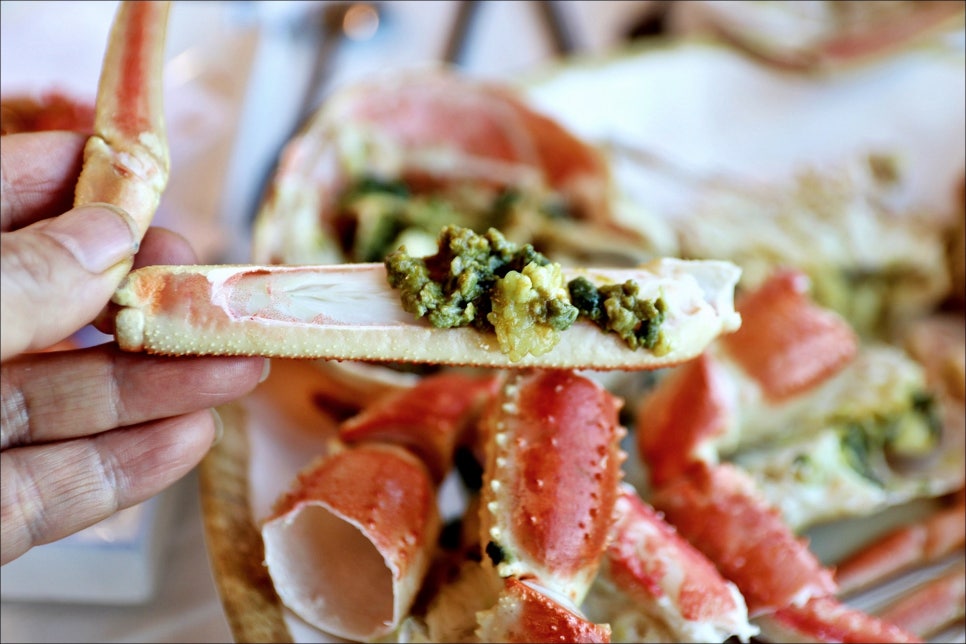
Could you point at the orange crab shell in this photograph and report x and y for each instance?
(826, 619)
(428, 418)
(346, 549)
(786, 342)
(524, 614)
(936, 536)
(551, 478)
(720, 511)
(687, 410)
(647, 560)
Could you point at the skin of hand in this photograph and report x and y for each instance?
(86, 432)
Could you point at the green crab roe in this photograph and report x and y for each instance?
(495, 285)
(618, 308)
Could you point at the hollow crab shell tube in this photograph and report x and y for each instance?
(551, 478)
(346, 549)
(349, 312)
(655, 586)
(126, 160)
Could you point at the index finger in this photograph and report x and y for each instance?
(38, 171)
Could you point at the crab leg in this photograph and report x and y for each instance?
(721, 512)
(525, 612)
(939, 535)
(788, 343)
(349, 312)
(551, 479)
(786, 347)
(429, 418)
(655, 586)
(931, 606)
(126, 159)
(347, 549)
(826, 619)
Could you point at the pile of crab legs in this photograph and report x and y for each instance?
(554, 514)
(702, 557)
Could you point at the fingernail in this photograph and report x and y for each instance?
(98, 236)
(266, 370)
(219, 427)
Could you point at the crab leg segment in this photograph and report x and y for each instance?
(787, 342)
(126, 159)
(350, 312)
(655, 586)
(932, 606)
(526, 613)
(921, 543)
(721, 512)
(347, 548)
(429, 418)
(552, 473)
(677, 423)
(825, 619)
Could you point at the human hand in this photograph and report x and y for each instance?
(86, 432)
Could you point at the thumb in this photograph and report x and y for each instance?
(57, 274)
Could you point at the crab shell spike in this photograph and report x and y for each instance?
(786, 342)
(938, 535)
(551, 478)
(349, 312)
(721, 512)
(126, 159)
(650, 571)
(429, 418)
(347, 550)
(678, 420)
(826, 619)
(527, 613)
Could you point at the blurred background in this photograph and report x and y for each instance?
(242, 76)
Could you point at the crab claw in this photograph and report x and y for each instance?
(722, 513)
(428, 418)
(786, 342)
(655, 586)
(551, 478)
(126, 160)
(527, 613)
(347, 548)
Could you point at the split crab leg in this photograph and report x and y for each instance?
(126, 160)
(350, 312)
